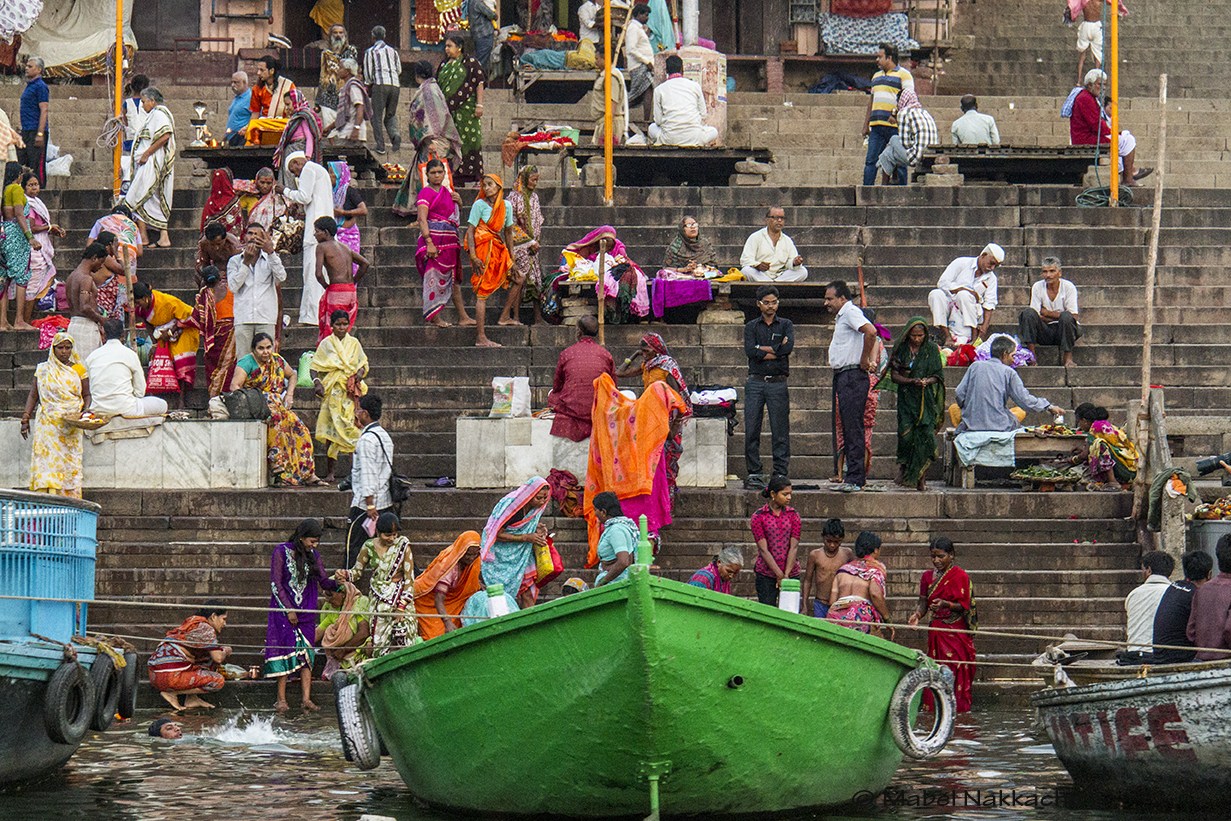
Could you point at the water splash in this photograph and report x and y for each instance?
(248, 730)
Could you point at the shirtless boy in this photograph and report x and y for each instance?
(337, 261)
(85, 321)
(823, 564)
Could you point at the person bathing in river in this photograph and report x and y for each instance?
(186, 661)
(166, 728)
(946, 594)
(823, 564)
(857, 596)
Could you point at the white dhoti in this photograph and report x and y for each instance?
(960, 312)
(700, 135)
(87, 336)
(1128, 144)
(309, 303)
(153, 183)
(147, 406)
(796, 274)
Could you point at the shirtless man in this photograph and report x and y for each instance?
(1090, 34)
(823, 564)
(215, 248)
(85, 320)
(338, 261)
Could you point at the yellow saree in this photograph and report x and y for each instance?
(336, 363)
(55, 466)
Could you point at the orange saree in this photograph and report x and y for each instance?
(455, 599)
(489, 247)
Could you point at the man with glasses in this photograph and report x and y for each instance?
(768, 342)
(770, 255)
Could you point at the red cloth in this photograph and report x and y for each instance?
(1209, 623)
(860, 8)
(338, 297)
(194, 678)
(572, 392)
(1086, 125)
(950, 647)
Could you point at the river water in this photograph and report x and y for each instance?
(233, 764)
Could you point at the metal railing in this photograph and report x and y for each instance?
(47, 549)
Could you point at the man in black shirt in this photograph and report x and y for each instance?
(1171, 618)
(768, 342)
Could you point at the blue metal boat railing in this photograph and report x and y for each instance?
(47, 549)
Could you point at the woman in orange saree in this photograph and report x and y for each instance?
(488, 239)
(946, 592)
(447, 583)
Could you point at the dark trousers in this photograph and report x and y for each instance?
(34, 156)
(758, 395)
(237, 140)
(878, 138)
(850, 390)
(355, 534)
(767, 589)
(1035, 330)
(385, 116)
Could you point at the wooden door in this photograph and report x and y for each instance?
(156, 23)
(362, 15)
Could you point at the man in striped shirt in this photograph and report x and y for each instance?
(880, 123)
(382, 69)
(916, 131)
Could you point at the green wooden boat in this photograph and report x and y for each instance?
(601, 703)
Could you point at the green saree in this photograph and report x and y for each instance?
(920, 410)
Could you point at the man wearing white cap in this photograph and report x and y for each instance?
(315, 193)
(965, 297)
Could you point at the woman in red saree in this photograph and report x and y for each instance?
(946, 593)
(214, 316)
(488, 240)
(223, 205)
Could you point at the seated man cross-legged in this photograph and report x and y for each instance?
(679, 110)
(117, 380)
(769, 255)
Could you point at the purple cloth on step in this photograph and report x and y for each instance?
(669, 293)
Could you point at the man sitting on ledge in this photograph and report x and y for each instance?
(679, 110)
(966, 295)
(987, 384)
(1051, 318)
(1088, 126)
(770, 255)
(117, 380)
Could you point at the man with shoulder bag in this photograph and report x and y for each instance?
(371, 476)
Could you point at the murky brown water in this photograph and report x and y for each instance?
(240, 765)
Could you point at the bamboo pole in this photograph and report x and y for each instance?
(1146, 421)
(117, 152)
(1113, 80)
(608, 124)
(129, 280)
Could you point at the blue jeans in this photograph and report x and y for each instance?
(878, 138)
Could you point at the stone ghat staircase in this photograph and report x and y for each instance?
(1041, 565)
(1009, 47)
(429, 376)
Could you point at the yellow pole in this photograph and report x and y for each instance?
(1113, 80)
(119, 93)
(608, 119)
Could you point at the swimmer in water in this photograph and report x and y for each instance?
(166, 728)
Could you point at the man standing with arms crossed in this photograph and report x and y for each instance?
(850, 356)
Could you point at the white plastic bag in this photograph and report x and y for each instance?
(61, 166)
(521, 396)
(502, 396)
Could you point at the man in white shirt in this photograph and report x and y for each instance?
(255, 277)
(1142, 602)
(769, 255)
(973, 127)
(382, 70)
(117, 380)
(679, 110)
(639, 58)
(966, 295)
(850, 356)
(587, 22)
(1051, 318)
(371, 470)
(315, 193)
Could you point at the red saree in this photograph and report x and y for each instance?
(952, 649)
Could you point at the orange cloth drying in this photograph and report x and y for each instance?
(625, 445)
(425, 585)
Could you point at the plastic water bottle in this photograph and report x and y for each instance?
(788, 596)
(496, 604)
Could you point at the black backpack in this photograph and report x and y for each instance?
(246, 403)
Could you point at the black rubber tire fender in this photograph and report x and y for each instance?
(913, 683)
(128, 687)
(359, 736)
(107, 684)
(68, 704)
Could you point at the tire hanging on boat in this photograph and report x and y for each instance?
(940, 682)
(107, 685)
(360, 740)
(128, 687)
(68, 704)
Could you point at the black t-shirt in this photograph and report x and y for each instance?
(1171, 623)
(352, 200)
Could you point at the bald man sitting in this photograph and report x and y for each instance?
(965, 297)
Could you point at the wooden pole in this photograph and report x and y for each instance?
(1113, 80)
(863, 297)
(1146, 424)
(117, 152)
(608, 124)
(129, 281)
(602, 290)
